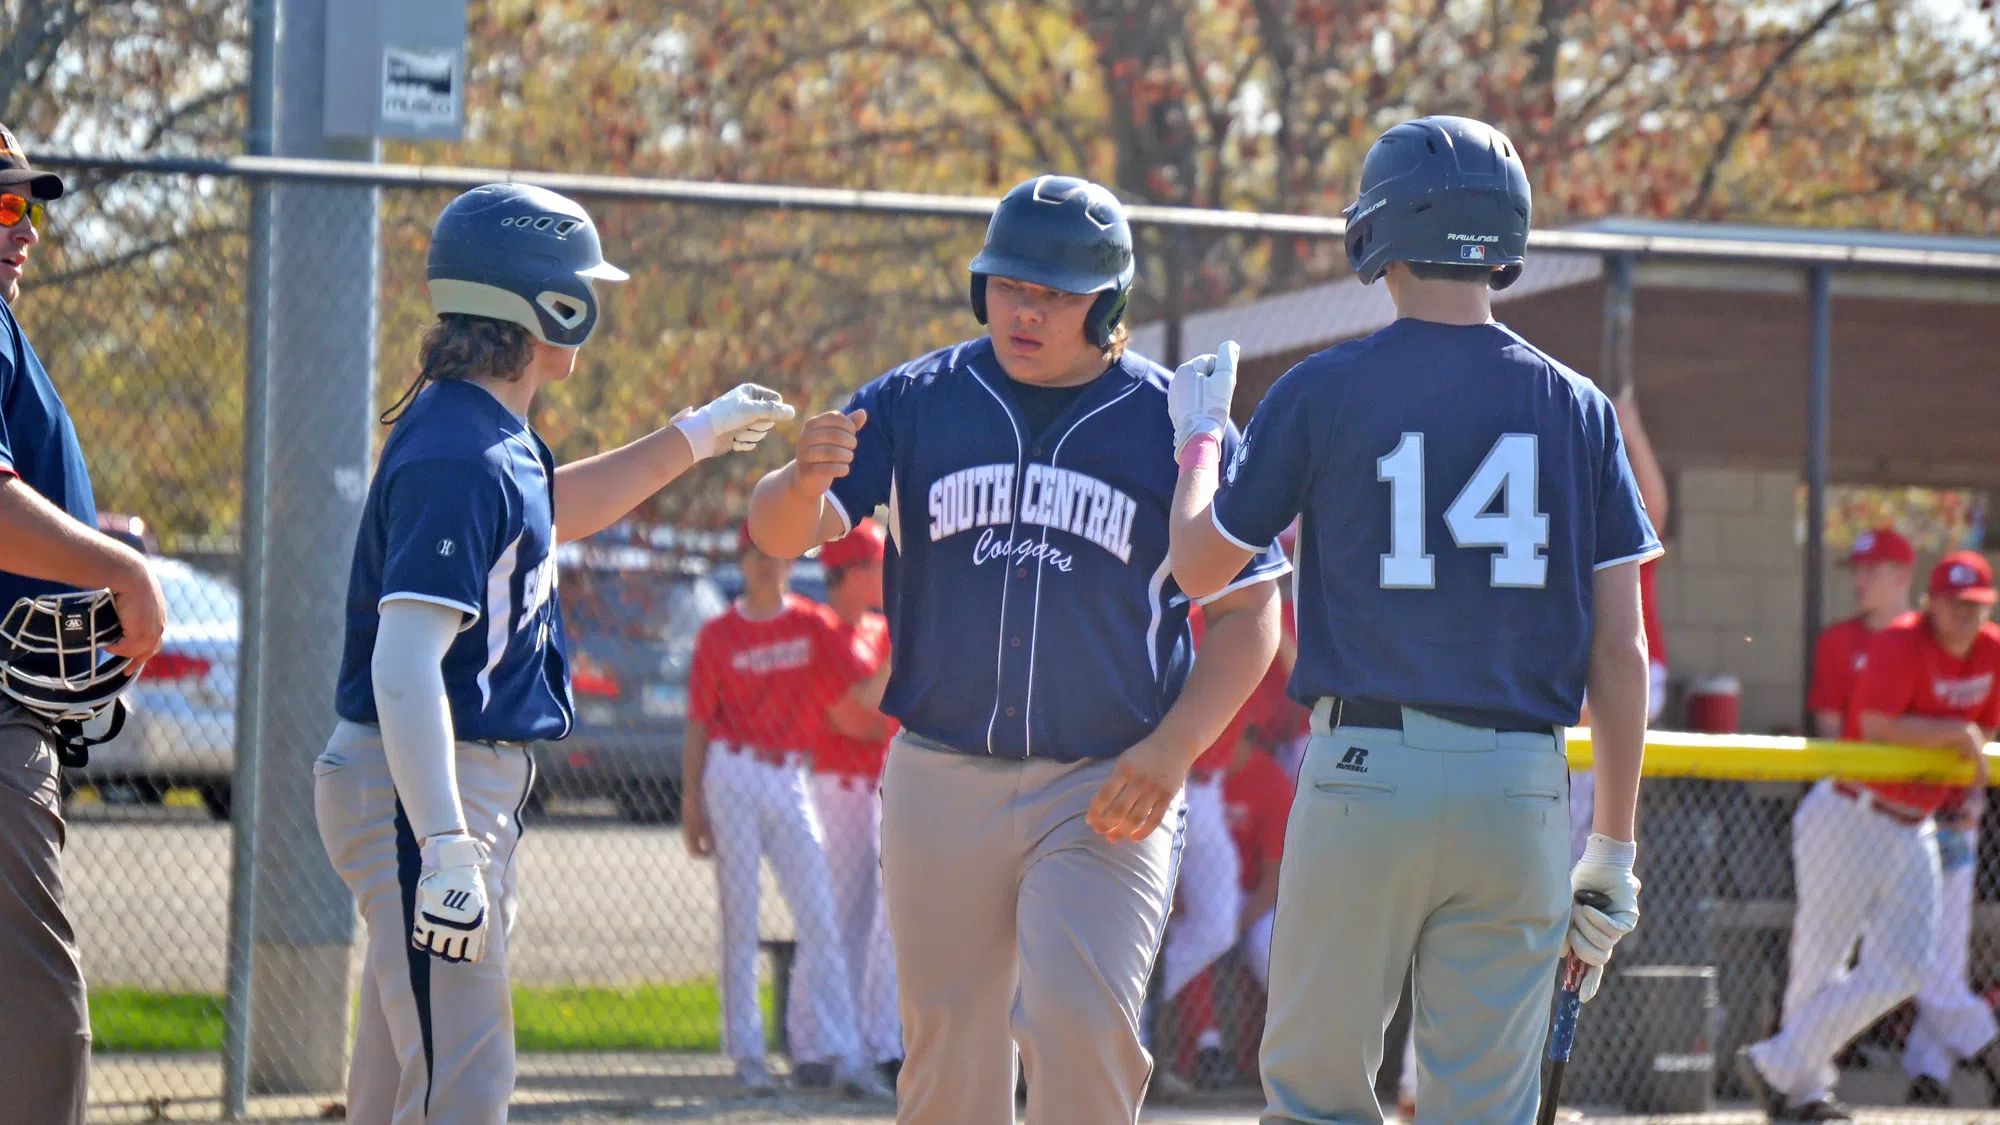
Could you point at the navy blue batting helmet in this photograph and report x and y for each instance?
(1448, 190)
(520, 254)
(1063, 233)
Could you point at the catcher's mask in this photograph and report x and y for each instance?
(53, 663)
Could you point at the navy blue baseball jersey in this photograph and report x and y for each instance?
(37, 444)
(1030, 604)
(461, 513)
(1459, 487)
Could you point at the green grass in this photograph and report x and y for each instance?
(659, 1017)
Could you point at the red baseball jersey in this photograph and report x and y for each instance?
(1837, 659)
(767, 683)
(1649, 613)
(867, 640)
(1907, 673)
(1257, 798)
(1274, 718)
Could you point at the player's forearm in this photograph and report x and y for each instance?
(415, 714)
(1262, 899)
(1202, 560)
(1826, 724)
(694, 763)
(786, 518)
(596, 492)
(1911, 730)
(1242, 637)
(40, 540)
(1618, 686)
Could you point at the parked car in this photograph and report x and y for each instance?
(180, 729)
(631, 613)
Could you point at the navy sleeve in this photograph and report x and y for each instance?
(1624, 530)
(1265, 564)
(8, 349)
(866, 485)
(1267, 477)
(448, 522)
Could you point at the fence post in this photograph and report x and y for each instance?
(1819, 395)
(324, 251)
(250, 569)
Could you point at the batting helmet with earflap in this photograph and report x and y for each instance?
(1062, 233)
(521, 254)
(1446, 190)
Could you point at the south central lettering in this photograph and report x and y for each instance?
(1059, 499)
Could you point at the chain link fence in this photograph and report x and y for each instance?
(204, 982)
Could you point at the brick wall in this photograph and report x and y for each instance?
(1731, 591)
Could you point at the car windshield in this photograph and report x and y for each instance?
(194, 598)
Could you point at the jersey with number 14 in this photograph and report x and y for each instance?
(1459, 488)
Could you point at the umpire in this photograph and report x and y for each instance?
(48, 544)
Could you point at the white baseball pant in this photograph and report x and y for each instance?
(434, 1039)
(1210, 899)
(1257, 948)
(850, 812)
(1861, 877)
(757, 809)
(1953, 1022)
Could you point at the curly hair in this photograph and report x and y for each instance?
(462, 346)
(1121, 337)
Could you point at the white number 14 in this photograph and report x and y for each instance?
(1517, 530)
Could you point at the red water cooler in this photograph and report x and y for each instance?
(1713, 705)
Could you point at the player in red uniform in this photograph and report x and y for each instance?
(847, 770)
(1881, 564)
(1866, 854)
(759, 682)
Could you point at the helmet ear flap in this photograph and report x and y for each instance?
(1105, 313)
(1504, 276)
(979, 297)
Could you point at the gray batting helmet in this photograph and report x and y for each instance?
(521, 254)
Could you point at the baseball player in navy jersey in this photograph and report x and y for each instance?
(1043, 668)
(1468, 562)
(455, 657)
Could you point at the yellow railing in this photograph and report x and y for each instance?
(1744, 757)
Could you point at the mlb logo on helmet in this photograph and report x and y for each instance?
(1474, 252)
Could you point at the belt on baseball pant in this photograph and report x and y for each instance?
(1345, 711)
(766, 756)
(1867, 799)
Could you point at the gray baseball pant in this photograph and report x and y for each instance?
(44, 1021)
(434, 1040)
(1441, 843)
(1016, 924)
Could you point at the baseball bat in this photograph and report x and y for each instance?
(1562, 1035)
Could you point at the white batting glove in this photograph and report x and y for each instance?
(451, 915)
(1606, 867)
(736, 421)
(1198, 398)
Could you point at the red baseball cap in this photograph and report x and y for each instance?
(1965, 575)
(1881, 545)
(862, 545)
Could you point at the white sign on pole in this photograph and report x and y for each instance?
(421, 86)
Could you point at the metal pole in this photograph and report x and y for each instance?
(250, 570)
(1177, 245)
(1819, 362)
(1616, 366)
(318, 415)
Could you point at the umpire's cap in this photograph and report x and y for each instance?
(1063, 233)
(15, 171)
(1448, 190)
(521, 254)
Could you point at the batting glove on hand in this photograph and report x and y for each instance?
(1606, 867)
(451, 899)
(1198, 398)
(736, 421)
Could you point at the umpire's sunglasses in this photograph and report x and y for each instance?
(14, 208)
